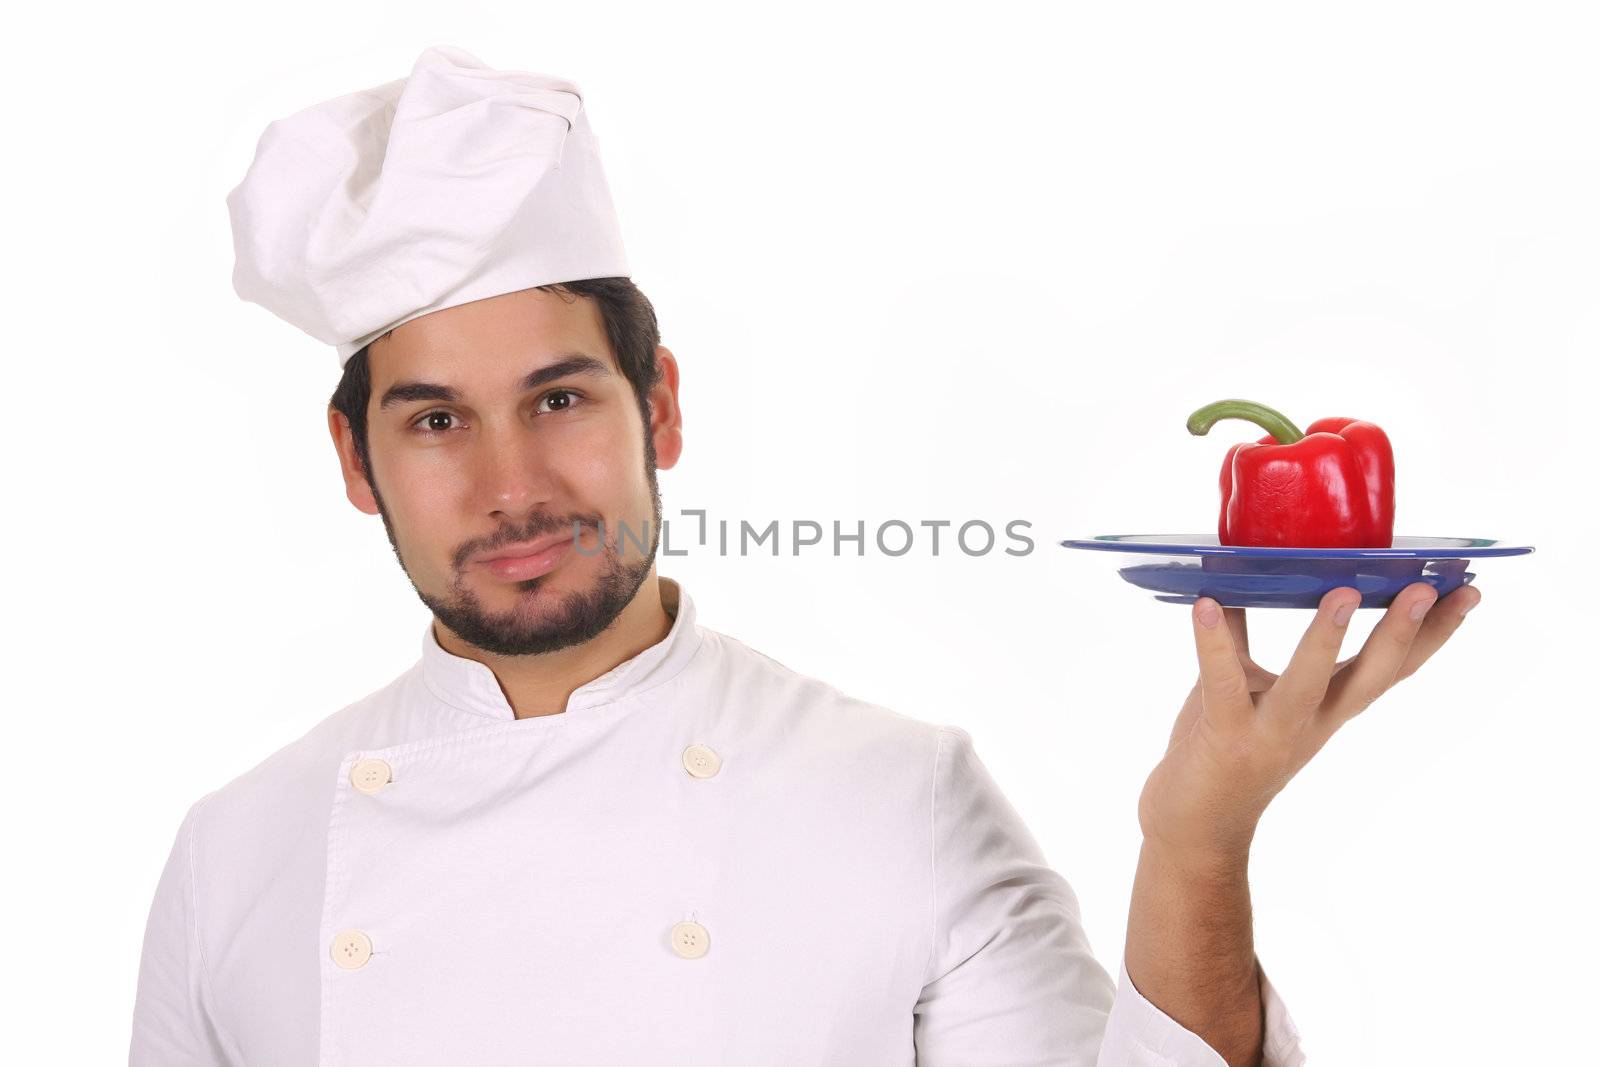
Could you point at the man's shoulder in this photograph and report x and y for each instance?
(768, 694)
(299, 775)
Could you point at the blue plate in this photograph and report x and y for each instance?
(1181, 567)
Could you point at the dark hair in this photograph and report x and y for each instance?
(631, 327)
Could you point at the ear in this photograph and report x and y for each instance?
(356, 488)
(666, 419)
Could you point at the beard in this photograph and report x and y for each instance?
(577, 616)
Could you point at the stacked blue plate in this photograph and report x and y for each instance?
(1178, 568)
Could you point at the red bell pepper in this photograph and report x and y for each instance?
(1330, 487)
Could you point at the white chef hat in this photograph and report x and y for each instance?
(454, 184)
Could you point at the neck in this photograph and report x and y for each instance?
(541, 684)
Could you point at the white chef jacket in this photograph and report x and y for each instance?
(708, 858)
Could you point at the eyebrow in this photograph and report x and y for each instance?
(570, 363)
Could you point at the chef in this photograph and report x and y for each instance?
(584, 829)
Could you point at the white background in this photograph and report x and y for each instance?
(916, 263)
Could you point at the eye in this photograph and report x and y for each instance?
(554, 393)
(423, 424)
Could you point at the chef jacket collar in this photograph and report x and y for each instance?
(471, 686)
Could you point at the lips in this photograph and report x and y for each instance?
(526, 559)
(524, 548)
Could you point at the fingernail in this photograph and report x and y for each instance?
(1342, 616)
(1209, 614)
(1420, 608)
(1472, 602)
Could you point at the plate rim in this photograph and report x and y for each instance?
(1482, 549)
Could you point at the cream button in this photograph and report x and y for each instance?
(700, 761)
(690, 940)
(370, 775)
(351, 949)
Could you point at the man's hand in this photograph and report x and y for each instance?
(1244, 731)
(1242, 734)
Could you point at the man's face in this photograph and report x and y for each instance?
(470, 455)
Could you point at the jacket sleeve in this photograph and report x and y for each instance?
(1010, 978)
(172, 1026)
(1138, 1032)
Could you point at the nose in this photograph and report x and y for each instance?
(512, 474)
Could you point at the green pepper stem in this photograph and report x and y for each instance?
(1282, 430)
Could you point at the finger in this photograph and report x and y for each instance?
(1223, 687)
(1259, 678)
(1299, 690)
(1442, 620)
(1186, 717)
(1236, 626)
(1379, 660)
